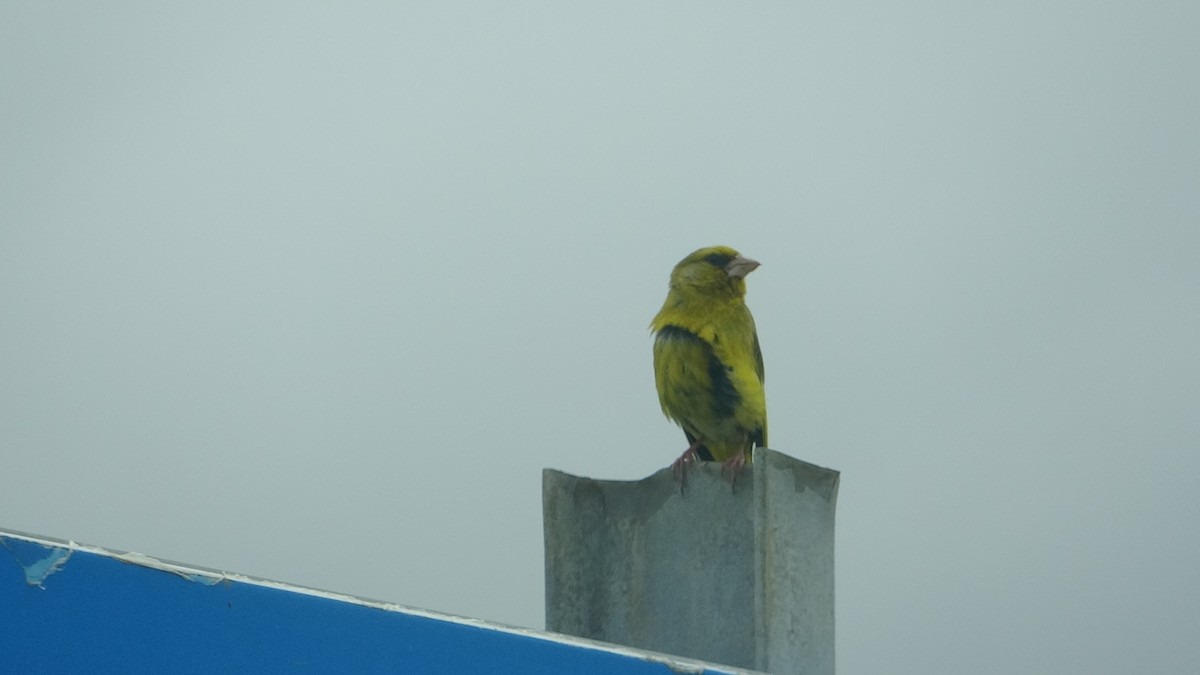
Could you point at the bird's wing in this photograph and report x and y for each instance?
(694, 386)
(760, 438)
(758, 362)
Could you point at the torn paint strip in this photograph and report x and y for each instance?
(191, 574)
(39, 569)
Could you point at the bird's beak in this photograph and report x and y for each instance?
(739, 267)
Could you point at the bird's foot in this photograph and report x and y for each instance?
(679, 466)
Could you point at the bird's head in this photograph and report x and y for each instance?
(717, 271)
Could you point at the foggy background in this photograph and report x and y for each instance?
(314, 292)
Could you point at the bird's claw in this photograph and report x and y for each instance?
(680, 465)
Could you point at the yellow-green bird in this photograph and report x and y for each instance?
(707, 362)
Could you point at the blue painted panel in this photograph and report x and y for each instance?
(65, 609)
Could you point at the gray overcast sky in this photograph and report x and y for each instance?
(314, 292)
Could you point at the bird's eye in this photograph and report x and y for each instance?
(718, 260)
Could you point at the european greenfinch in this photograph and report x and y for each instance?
(707, 362)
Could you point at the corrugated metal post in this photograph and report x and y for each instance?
(742, 577)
